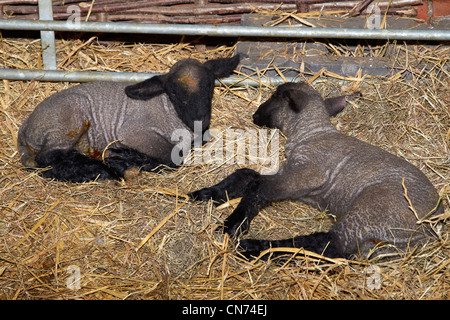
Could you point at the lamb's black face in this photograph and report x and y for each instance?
(290, 100)
(264, 115)
(190, 88)
(272, 112)
(189, 85)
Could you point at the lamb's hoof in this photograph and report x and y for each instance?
(204, 194)
(131, 174)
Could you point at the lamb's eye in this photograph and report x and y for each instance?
(277, 95)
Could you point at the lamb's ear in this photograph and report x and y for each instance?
(337, 104)
(296, 102)
(146, 89)
(223, 67)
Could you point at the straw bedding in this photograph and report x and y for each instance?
(139, 239)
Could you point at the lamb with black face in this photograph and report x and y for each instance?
(361, 185)
(69, 131)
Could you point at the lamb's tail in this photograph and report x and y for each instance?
(320, 242)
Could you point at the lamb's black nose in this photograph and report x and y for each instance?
(255, 118)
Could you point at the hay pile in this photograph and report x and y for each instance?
(139, 239)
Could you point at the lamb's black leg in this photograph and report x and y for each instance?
(121, 159)
(231, 187)
(321, 243)
(252, 201)
(70, 165)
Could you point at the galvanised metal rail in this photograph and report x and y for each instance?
(194, 30)
(226, 31)
(87, 76)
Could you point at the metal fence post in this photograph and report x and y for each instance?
(47, 37)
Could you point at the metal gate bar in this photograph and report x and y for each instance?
(226, 31)
(193, 30)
